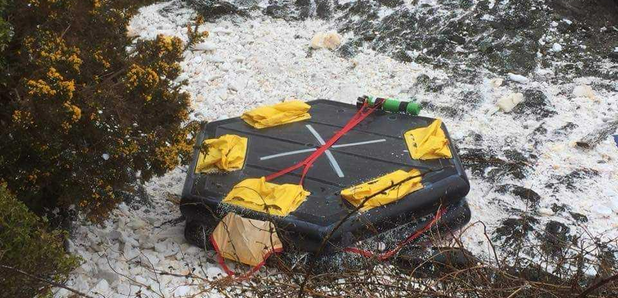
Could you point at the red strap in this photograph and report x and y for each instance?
(362, 113)
(231, 273)
(390, 253)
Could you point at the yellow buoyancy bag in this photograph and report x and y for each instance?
(428, 142)
(226, 153)
(259, 195)
(357, 194)
(282, 113)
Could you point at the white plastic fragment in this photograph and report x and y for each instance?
(584, 91)
(556, 47)
(509, 102)
(518, 78)
(105, 156)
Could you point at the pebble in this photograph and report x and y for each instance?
(182, 291)
(602, 210)
(102, 288)
(546, 212)
(329, 40)
(214, 272)
(205, 46)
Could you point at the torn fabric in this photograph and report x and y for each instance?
(225, 153)
(282, 113)
(428, 142)
(259, 195)
(248, 241)
(357, 194)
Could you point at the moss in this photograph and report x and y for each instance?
(26, 245)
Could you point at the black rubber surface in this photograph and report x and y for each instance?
(382, 150)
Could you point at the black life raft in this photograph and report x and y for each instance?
(373, 148)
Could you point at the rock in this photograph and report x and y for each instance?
(113, 235)
(507, 103)
(556, 238)
(546, 211)
(215, 59)
(602, 210)
(613, 202)
(535, 103)
(146, 242)
(214, 272)
(212, 10)
(182, 291)
(150, 259)
(329, 40)
(101, 288)
(205, 46)
(497, 82)
(525, 194)
(518, 78)
(130, 252)
(108, 275)
(584, 91)
(137, 224)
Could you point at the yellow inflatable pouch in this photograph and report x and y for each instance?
(226, 153)
(279, 114)
(259, 195)
(357, 194)
(428, 142)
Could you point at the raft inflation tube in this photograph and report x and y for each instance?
(392, 105)
(384, 144)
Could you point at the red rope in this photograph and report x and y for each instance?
(362, 113)
(390, 253)
(231, 273)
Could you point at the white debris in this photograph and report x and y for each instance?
(584, 91)
(329, 40)
(105, 156)
(556, 47)
(518, 78)
(509, 102)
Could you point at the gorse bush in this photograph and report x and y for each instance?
(83, 108)
(26, 246)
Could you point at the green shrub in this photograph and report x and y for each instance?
(26, 245)
(80, 113)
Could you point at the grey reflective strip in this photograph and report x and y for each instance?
(359, 143)
(313, 149)
(287, 153)
(330, 156)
